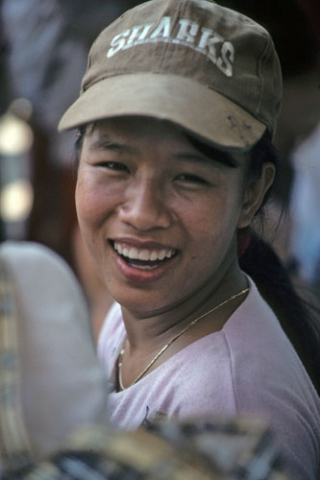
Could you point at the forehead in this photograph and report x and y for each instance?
(149, 133)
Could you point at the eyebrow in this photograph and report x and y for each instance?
(106, 142)
(211, 158)
(193, 157)
(213, 154)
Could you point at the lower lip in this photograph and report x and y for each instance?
(137, 275)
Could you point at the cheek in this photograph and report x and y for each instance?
(95, 198)
(88, 202)
(212, 229)
(213, 219)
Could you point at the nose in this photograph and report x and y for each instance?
(144, 207)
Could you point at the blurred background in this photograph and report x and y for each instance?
(43, 52)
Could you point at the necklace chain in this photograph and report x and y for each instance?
(173, 339)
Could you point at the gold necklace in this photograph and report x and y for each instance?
(163, 349)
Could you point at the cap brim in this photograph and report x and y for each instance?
(185, 102)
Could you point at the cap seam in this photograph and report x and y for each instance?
(260, 76)
(166, 44)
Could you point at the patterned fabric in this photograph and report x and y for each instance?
(209, 448)
(14, 444)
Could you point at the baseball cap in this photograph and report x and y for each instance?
(207, 68)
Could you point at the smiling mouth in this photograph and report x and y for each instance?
(144, 258)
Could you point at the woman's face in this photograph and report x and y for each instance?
(158, 217)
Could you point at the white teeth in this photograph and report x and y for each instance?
(154, 256)
(145, 254)
(162, 254)
(133, 253)
(144, 267)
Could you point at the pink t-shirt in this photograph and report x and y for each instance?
(249, 367)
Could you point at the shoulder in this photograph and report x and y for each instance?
(269, 380)
(235, 358)
(261, 355)
(200, 378)
(254, 331)
(250, 367)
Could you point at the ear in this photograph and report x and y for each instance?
(255, 193)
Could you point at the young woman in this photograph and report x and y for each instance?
(175, 117)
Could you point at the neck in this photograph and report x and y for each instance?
(164, 352)
(147, 332)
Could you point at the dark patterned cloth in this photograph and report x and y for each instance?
(207, 448)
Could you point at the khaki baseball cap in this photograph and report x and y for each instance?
(207, 68)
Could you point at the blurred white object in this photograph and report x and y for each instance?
(305, 207)
(49, 370)
(16, 136)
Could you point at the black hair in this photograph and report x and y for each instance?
(78, 146)
(298, 319)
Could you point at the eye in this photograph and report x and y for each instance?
(191, 178)
(114, 166)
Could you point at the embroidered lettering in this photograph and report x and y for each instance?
(205, 41)
(118, 42)
(163, 29)
(140, 31)
(225, 63)
(188, 31)
(209, 42)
